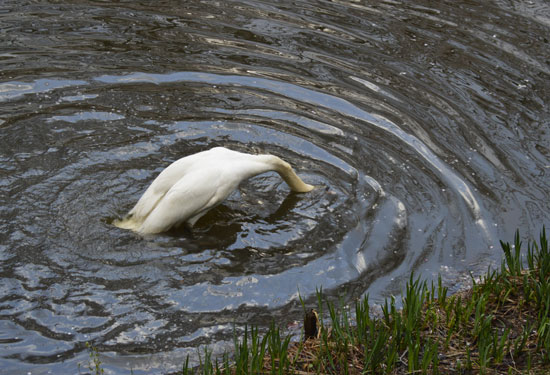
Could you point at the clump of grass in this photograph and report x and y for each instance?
(94, 363)
(500, 325)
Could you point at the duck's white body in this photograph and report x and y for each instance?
(189, 187)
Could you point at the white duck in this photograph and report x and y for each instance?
(190, 186)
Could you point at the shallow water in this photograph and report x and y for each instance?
(424, 126)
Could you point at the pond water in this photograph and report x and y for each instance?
(423, 124)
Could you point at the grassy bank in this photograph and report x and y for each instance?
(500, 325)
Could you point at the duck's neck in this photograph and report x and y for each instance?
(288, 175)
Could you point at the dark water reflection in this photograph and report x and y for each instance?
(425, 126)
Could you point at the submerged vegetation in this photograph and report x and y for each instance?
(500, 325)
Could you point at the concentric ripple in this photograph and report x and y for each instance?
(424, 127)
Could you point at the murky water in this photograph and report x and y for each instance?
(425, 126)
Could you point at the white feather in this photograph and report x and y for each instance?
(189, 187)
